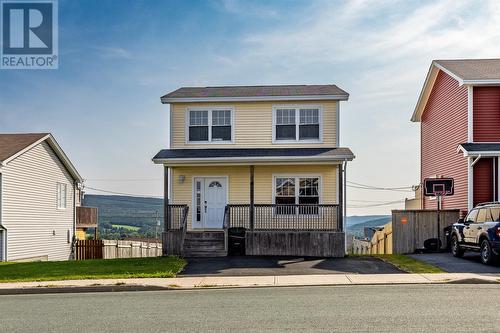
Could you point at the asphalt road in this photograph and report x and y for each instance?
(422, 308)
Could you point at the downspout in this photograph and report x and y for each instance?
(73, 240)
(344, 205)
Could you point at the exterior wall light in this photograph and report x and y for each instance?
(181, 179)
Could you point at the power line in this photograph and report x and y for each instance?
(123, 180)
(377, 205)
(371, 187)
(121, 193)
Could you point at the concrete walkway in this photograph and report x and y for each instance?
(248, 281)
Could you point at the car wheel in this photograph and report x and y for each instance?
(487, 255)
(455, 247)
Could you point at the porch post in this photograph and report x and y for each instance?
(166, 212)
(340, 189)
(252, 196)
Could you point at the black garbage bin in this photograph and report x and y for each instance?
(236, 241)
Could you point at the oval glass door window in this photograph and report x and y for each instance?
(215, 184)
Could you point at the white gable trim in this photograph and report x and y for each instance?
(57, 149)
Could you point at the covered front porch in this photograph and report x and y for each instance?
(483, 160)
(285, 207)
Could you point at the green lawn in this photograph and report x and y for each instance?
(128, 227)
(408, 264)
(157, 267)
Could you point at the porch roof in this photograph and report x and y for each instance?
(253, 155)
(483, 149)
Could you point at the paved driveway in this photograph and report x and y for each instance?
(470, 263)
(241, 266)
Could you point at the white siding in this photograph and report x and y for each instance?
(36, 228)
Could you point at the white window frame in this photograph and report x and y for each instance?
(210, 109)
(297, 185)
(61, 203)
(297, 123)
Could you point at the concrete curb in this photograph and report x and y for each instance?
(213, 282)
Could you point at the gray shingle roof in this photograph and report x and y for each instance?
(329, 91)
(258, 153)
(11, 144)
(473, 69)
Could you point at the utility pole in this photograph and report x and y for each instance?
(157, 219)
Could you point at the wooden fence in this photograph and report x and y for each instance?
(114, 249)
(88, 249)
(412, 227)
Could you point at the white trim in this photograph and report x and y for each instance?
(171, 135)
(470, 114)
(423, 97)
(476, 160)
(343, 97)
(298, 175)
(193, 199)
(297, 108)
(494, 180)
(337, 127)
(450, 73)
(482, 82)
(498, 178)
(57, 149)
(210, 110)
(470, 184)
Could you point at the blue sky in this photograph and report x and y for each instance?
(116, 58)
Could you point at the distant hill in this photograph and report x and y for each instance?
(352, 220)
(125, 210)
(357, 229)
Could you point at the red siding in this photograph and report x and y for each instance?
(443, 128)
(483, 181)
(486, 123)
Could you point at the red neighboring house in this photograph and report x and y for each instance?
(459, 114)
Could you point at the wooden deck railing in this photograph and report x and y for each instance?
(283, 217)
(177, 217)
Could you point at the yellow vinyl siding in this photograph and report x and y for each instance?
(253, 123)
(239, 182)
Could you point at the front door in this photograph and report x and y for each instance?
(210, 199)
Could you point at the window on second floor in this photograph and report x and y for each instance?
(211, 125)
(297, 124)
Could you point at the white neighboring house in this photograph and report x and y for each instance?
(38, 198)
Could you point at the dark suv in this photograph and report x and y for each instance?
(479, 231)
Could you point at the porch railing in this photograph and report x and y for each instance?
(283, 217)
(177, 217)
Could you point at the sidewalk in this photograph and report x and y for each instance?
(244, 281)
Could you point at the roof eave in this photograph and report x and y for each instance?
(261, 159)
(59, 152)
(340, 97)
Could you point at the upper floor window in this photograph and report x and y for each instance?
(297, 124)
(209, 125)
(61, 196)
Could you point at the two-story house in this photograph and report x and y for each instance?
(459, 114)
(263, 161)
